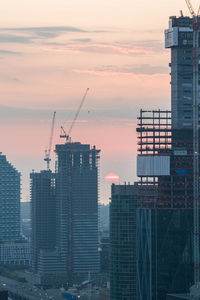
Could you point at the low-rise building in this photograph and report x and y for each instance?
(15, 253)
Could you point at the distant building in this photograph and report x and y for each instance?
(103, 217)
(9, 201)
(123, 242)
(15, 253)
(43, 216)
(77, 207)
(26, 228)
(50, 263)
(26, 220)
(26, 210)
(13, 248)
(105, 254)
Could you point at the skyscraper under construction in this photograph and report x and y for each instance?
(77, 207)
(165, 170)
(65, 214)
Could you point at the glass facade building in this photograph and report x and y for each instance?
(123, 242)
(77, 207)
(9, 201)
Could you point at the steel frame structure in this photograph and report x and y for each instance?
(160, 198)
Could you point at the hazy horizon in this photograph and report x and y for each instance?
(52, 51)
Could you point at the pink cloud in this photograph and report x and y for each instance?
(106, 48)
(113, 72)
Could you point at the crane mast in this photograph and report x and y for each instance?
(67, 135)
(196, 205)
(48, 151)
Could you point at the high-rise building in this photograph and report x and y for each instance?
(9, 202)
(123, 242)
(179, 38)
(15, 253)
(165, 170)
(165, 207)
(13, 248)
(77, 207)
(43, 216)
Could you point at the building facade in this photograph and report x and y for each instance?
(14, 249)
(77, 207)
(165, 171)
(123, 242)
(165, 207)
(15, 253)
(9, 201)
(179, 38)
(43, 216)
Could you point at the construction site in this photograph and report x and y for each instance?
(65, 210)
(165, 206)
(167, 217)
(168, 229)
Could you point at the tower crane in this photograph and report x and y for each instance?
(190, 7)
(196, 204)
(67, 135)
(48, 151)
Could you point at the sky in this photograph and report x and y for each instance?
(51, 51)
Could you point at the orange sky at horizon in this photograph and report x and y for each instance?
(51, 51)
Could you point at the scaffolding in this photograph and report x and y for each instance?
(165, 205)
(154, 132)
(157, 138)
(154, 139)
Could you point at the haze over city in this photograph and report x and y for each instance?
(51, 51)
(100, 150)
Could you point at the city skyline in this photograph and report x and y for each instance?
(51, 52)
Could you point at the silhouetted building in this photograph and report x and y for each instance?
(165, 207)
(165, 170)
(13, 248)
(43, 216)
(9, 201)
(179, 37)
(77, 207)
(123, 242)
